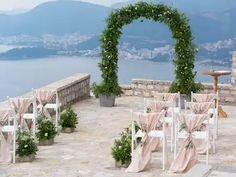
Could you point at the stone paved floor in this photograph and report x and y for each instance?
(87, 152)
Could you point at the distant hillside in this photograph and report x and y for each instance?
(191, 6)
(59, 17)
(66, 17)
(74, 28)
(27, 52)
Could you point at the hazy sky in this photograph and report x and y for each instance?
(28, 4)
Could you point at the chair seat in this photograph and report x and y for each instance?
(169, 119)
(8, 128)
(51, 106)
(139, 134)
(28, 116)
(196, 135)
(176, 110)
(156, 133)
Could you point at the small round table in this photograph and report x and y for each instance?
(215, 75)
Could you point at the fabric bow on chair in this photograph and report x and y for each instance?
(201, 107)
(187, 154)
(203, 97)
(142, 154)
(170, 97)
(20, 106)
(43, 97)
(5, 152)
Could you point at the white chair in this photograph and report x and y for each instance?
(181, 133)
(25, 109)
(10, 127)
(154, 133)
(170, 117)
(46, 100)
(205, 108)
(196, 97)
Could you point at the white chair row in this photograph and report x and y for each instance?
(25, 111)
(171, 104)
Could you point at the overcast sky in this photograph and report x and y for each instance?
(28, 4)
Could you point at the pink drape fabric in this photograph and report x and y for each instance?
(158, 106)
(20, 105)
(187, 155)
(44, 97)
(201, 107)
(170, 97)
(5, 153)
(142, 154)
(203, 97)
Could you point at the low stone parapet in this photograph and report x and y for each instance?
(148, 88)
(70, 90)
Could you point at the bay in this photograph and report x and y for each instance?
(19, 76)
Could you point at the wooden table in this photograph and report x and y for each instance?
(216, 75)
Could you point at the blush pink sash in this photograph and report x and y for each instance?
(187, 156)
(170, 97)
(44, 97)
(142, 154)
(20, 105)
(201, 107)
(204, 97)
(5, 153)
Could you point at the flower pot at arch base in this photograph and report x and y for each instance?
(107, 101)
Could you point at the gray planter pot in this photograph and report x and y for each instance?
(29, 158)
(46, 142)
(107, 101)
(119, 165)
(67, 130)
(182, 100)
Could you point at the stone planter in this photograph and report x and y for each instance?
(29, 158)
(67, 130)
(46, 142)
(119, 165)
(182, 100)
(107, 101)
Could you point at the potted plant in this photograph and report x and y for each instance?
(46, 131)
(106, 93)
(121, 150)
(68, 120)
(27, 147)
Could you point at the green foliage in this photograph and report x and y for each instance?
(185, 50)
(105, 89)
(121, 150)
(26, 144)
(46, 129)
(68, 118)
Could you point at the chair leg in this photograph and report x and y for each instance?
(172, 137)
(163, 153)
(56, 118)
(14, 147)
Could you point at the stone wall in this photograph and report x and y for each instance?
(147, 88)
(70, 90)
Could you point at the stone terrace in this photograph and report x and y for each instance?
(87, 152)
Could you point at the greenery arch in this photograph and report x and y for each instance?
(184, 48)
